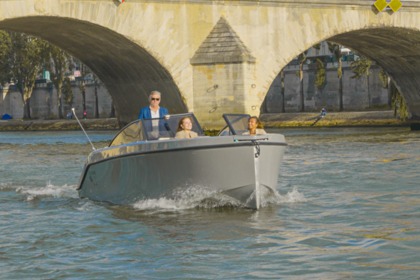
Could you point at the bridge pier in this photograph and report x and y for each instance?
(222, 89)
(224, 77)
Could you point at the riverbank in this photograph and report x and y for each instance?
(278, 120)
(333, 119)
(58, 125)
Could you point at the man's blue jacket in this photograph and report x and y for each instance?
(145, 112)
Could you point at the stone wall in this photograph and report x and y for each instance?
(358, 94)
(44, 103)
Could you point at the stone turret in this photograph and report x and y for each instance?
(223, 76)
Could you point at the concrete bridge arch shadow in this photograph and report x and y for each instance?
(128, 71)
(397, 51)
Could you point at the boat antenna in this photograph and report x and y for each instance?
(81, 126)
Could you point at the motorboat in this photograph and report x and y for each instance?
(146, 161)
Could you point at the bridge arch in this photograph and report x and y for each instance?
(397, 51)
(128, 71)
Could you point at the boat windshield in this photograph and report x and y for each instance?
(237, 124)
(154, 129)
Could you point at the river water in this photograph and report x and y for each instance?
(348, 207)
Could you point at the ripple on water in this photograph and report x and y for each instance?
(347, 206)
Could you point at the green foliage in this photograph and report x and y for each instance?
(398, 103)
(22, 57)
(57, 62)
(25, 64)
(67, 92)
(5, 44)
(5, 49)
(361, 67)
(320, 76)
(301, 59)
(383, 77)
(335, 49)
(340, 70)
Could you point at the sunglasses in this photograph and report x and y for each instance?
(157, 99)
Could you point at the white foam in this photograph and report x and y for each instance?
(86, 206)
(192, 197)
(270, 197)
(294, 196)
(199, 197)
(160, 203)
(6, 187)
(48, 191)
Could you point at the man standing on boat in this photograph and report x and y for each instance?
(153, 110)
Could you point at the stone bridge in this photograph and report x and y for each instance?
(220, 56)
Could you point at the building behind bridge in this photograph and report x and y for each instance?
(44, 101)
(359, 94)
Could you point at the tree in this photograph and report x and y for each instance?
(320, 75)
(360, 68)
(67, 92)
(386, 83)
(396, 99)
(82, 85)
(97, 85)
(283, 102)
(57, 63)
(5, 50)
(335, 49)
(84, 72)
(302, 59)
(398, 103)
(26, 63)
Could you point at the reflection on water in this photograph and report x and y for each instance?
(347, 206)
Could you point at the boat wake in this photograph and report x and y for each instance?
(192, 197)
(200, 197)
(269, 197)
(182, 199)
(49, 190)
